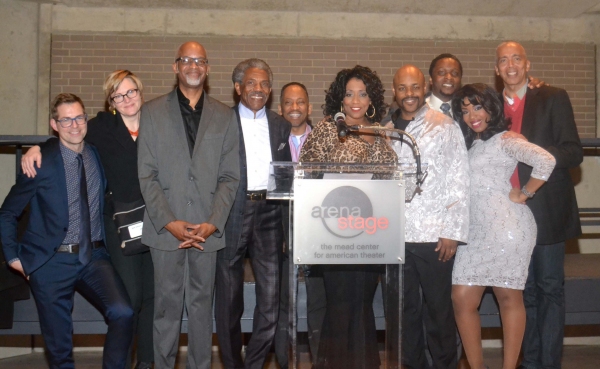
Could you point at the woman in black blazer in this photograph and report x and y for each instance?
(114, 133)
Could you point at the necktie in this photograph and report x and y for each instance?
(296, 141)
(445, 108)
(85, 233)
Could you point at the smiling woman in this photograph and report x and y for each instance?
(348, 338)
(502, 230)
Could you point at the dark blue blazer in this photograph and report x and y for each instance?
(49, 212)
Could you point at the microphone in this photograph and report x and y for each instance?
(340, 123)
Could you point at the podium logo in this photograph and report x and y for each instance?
(347, 212)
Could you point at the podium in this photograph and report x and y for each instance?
(342, 213)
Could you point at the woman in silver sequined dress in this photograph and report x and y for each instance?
(502, 230)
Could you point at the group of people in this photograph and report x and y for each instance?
(494, 210)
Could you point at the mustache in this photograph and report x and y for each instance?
(410, 97)
(257, 94)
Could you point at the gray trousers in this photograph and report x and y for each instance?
(183, 276)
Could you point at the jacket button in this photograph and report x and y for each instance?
(65, 229)
(189, 203)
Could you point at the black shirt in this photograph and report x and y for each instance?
(191, 117)
(400, 123)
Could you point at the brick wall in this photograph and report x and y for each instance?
(80, 64)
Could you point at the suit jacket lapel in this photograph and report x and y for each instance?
(122, 136)
(528, 123)
(177, 123)
(274, 135)
(205, 118)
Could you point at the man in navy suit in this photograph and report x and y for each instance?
(63, 246)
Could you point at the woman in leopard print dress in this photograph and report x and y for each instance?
(348, 338)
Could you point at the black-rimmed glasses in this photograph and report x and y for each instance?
(186, 60)
(130, 94)
(68, 122)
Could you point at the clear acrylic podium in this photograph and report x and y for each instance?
(346, 214)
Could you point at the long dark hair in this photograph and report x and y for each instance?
(337, 91)
(490, 100)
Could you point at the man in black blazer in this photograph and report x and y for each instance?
(63, 249)
(254, 224)
(545, 117)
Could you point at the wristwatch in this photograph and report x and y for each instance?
(527, 193)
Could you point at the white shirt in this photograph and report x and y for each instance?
(435, 104)
(258, 147)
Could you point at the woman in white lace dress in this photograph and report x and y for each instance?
(502, 230)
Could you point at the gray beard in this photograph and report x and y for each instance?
(192, 82)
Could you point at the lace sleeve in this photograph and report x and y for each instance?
(541, 160)
(318, 143)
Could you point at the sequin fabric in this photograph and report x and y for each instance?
(440, 207)
(502, 233)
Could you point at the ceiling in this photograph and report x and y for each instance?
(499, 8)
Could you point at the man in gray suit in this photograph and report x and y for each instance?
(188, 165)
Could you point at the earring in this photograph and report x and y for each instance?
(374, 111)
(341, 107)
(114, 111)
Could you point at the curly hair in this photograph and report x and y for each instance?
(490, 100)
(337, 91)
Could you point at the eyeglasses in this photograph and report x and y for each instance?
(130, 94)
(68, 122)
(186, 60)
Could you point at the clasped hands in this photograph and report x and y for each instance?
(190, 235)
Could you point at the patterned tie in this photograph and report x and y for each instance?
(85, 232)
(445, 108)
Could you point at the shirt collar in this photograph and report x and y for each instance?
(186, 102)
(520, 94)
(249, 114)
(434, 102)
(70, 155)
(307, 130)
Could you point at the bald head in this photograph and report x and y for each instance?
(191, 67)
(512, 65)
(409, 90)
(188, 47)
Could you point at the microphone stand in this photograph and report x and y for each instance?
(415, 147)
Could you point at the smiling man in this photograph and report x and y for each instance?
(295, 108)
(63, 247)
(545, 117)
(445, 74)
(255, 224)
(437, 218)
(188, 166)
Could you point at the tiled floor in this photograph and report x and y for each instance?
(574, 357)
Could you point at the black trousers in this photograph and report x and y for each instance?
(315, 311)
(262, 237)
(137, 273)
(428, 282)
(349, 336)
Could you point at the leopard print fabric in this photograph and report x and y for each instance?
(323, 145)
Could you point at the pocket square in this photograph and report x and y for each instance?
(281, 146)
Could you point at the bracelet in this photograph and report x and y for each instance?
(527, 193)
